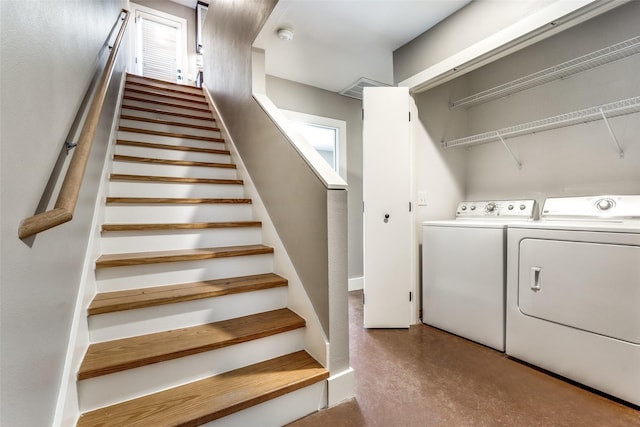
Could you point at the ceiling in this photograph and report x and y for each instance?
(337, 42)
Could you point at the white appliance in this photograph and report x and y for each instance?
(463, 269)
(573, 292)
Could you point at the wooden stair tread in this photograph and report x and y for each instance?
(123, 158)
(168, 122)
(159, 92)
(214, 397)
(170, 134)
(128, 353)
(167, 88)
(164, 83)
(171, 147)
(141, 258)
(167, 104)
(172, 201)
(180, 226)
(167, 113)
(174, 179)
(109, 302)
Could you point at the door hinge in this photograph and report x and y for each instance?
(409, 115)
(363, 298)
(363, 114)
(410, 296)
(363, 207)
(409, 206)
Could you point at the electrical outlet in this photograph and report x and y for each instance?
(422, 198)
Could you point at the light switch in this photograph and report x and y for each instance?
(422, 198)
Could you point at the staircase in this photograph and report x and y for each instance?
(190, 325)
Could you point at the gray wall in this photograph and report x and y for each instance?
(298, 203)
(571, 161)
(295, 96)
(474, 22)
(184, 12)
(48, 54)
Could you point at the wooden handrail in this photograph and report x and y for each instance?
(70, 190)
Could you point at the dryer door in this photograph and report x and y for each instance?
(590, 286)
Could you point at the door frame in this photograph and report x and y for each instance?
(135, 67)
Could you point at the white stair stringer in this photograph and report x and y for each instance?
(125, 385)
(148, 320)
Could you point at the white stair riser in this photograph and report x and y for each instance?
(170, 273)
(169, 128)
(143, 104)
(160, 98)
(168, 140)
(280, 411)
(156, 169)
(114, 388)
(130, 323)
(151, 115)
(138, 214)
(161, 91)
(164, 240)
(160, 153)
(161, 189)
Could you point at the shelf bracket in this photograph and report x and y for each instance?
(515, 158)
(613, 135)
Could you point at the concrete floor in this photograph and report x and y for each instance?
(426, 377)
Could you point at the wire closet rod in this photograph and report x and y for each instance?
(599, 112)
(583, 63)
(70, 190)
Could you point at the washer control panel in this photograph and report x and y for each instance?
(594, 208)
(503, 209)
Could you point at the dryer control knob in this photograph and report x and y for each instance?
(464, 208)
(473, 208)
(522, 207)
(510, 207)
(491, 207)
(604, 204)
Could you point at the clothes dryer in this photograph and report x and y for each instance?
(573, 292)
(463, 269)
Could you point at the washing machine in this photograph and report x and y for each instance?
(573, 292)
(463, 269)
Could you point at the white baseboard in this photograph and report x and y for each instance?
(340, 387)
(356, 283)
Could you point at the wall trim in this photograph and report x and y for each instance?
(340, 387)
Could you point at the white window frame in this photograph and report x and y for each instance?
(136, 39)
(339, 125)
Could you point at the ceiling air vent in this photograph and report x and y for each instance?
(355, 90)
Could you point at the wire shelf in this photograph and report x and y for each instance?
(599, 112)
(573, 66)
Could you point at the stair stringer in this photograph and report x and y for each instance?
(315, 340)
(67, 408)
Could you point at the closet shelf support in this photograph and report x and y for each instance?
(515, 158)
(613, 135)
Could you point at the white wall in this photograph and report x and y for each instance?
(49, 51)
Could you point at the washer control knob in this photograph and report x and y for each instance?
(491, 207)
(510, 207)
(604, 204)
(464, 207)
(522, 207)
(473, 208)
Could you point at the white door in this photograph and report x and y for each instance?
(388, 224)
(160, 41)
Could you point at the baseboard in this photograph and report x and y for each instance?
(340, 387)
(356, 283)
